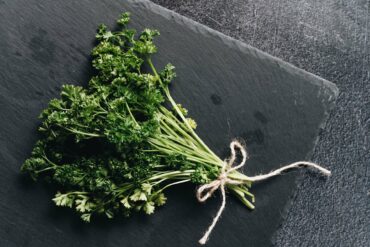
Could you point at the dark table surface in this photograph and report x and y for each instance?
(331, 39)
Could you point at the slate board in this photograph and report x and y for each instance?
(230, 88)
(331, 39)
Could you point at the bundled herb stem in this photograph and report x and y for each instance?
(113, 147)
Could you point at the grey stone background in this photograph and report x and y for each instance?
(331, 39)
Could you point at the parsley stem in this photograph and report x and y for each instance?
(82, 133)
(132, 116)
(174, 105)
(169, 174)
(46, 169)
(175, 183)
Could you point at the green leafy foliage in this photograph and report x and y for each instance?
(113, 148)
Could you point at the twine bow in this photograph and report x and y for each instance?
(220, 183)
(206, 190)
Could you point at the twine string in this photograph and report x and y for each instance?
(205, 191)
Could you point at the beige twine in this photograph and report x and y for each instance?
(223, 180)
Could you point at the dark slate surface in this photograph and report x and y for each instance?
(329, 38)
(232, 90)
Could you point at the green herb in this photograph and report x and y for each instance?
(113, 147)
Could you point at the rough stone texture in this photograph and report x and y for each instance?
(325, 38)
(330, 39)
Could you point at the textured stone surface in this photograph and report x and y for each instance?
(331, 39)
(232, 90)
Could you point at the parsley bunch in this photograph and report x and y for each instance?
(113, 148)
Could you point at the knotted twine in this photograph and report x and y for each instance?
(206, 190)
